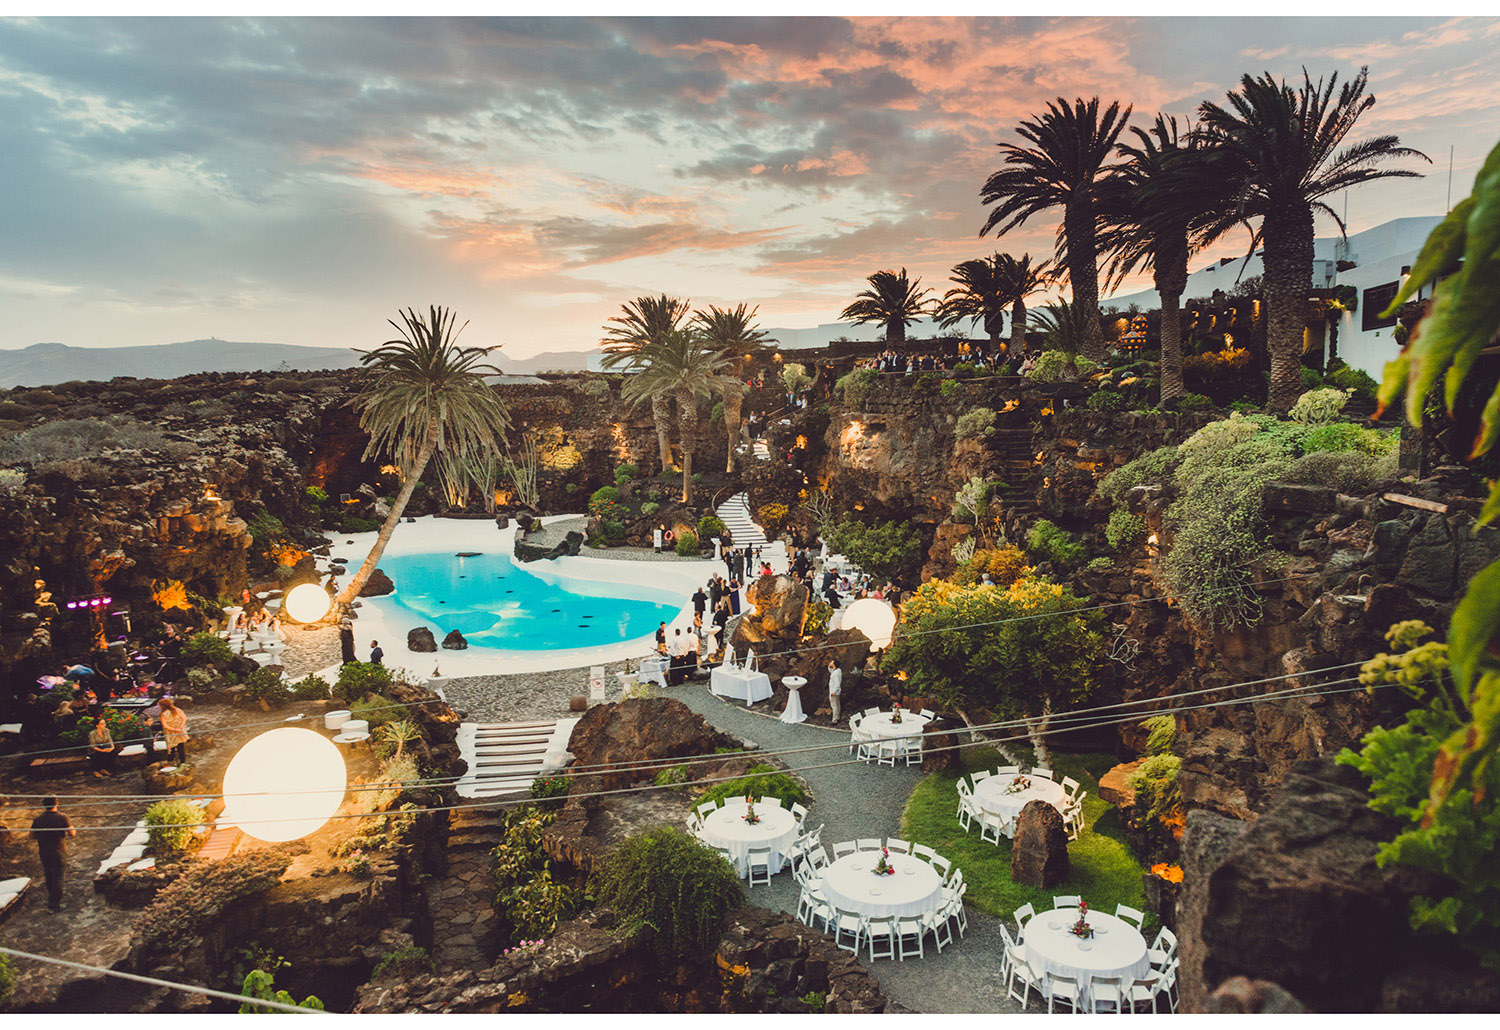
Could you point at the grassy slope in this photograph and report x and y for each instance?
(1104, 871)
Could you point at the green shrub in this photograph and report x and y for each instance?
(925, 381)
(627, 471)
(357, 679)
(1155, 786)
(570, 488)
(377, 711)
(1318, 406)
(1161, 733)
(528, 901)
(7, 979)
(855, 386)
(316, 494)
(687, 543)
(974, 422)
(355, 524)
(1054, 366)
(668, 884)
(1348, 472)
(265, 685)
(1355, 381)
(404, 963)
(1153, 468)
(671, 776)
(548, 788)
(598, 389)
(124, 726)
(762, 781)
(261, 986)
(710, 526)
(819, 616)
(1346, 436)
(614, 531)
(1190, 402)
(1311, 380)
(816, 1001)
(604, 493)
(1124, 530)
(1100, 563)
(207, 649)
(650, 508)
(172, 825)
(311, 687)
(1049, 543)
(885, 550)
(949, 387)
(1106, 400)
(1244, 407)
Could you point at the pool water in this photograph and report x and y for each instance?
(497, 604)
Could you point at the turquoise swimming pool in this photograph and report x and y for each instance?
(498, 604)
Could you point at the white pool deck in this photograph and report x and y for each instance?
(382, 619)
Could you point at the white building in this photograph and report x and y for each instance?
(1377, 259)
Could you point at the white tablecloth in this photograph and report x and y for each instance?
(740, 684)
(727, 828)
(880, 727)
(793, 712)
(915, 889)
(990, 796)
(654, 669)
(1119, 950)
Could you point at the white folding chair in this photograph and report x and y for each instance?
(1045, 774)
(1022, 975)
(818, 856)
(1008, 953)
(1106, 996)
(758, 860)
(1070, 786)
(990, 828)
(911, 747)
(868, 751)
(954, 880)
(980, 777)
(1065, 901)
(1144, 992)
(923, 852)
(1064, 989)
(695, 824)
(937, 924)
(708, 808)
(813, 907)
(965, 814)
(899, 846)
(799, 812)
(770, 802)
(1006, 770)
(880, 937)
(925, 714)
(1163, 949)
(869, 844)
(888, 752)
(909, 933)
(871, 711)
(1022, 916)
(1133, 916)
(1169, 983)
(844, 847)
(942, 865)
(850, 926)
(1073, 821)
(855, 736)
(952, 907)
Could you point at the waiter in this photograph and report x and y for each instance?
(50, 830)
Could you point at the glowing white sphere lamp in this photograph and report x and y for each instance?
(307, 603)
(874, 618)
(284, 784)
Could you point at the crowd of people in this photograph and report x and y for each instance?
(996, 359)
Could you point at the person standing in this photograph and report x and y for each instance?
(674, 666)
(377, 654)
(101, 749)
(715, 592)
(734, 595)
(700, 602)
(835, 688)
(661, 638)
(346, 640)
(174, 729)
(50, 830)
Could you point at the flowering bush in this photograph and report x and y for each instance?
(172, 825)
(1319, 406)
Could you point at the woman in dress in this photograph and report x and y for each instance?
(101, 749)
(734, 595)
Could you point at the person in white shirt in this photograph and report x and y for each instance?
(835, 688)
(676, 649)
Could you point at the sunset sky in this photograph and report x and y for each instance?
(296, 181)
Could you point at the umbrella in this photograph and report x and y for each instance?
(77, 672)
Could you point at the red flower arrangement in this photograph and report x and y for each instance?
(1082, 928)
(884, 867)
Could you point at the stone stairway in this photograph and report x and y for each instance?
(1013, 448)
(505, 757)
(735, 512)
(761, 450)
(461, 901)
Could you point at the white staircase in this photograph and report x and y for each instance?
(735, 514)
(761, 450)
(505, 757)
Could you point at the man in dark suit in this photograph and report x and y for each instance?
(50, 830)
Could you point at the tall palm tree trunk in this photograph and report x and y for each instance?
(1288, 234)
(398, 506)
(1083, 272)
(661, 414)
(1171, 280)
(733, 405)
(1017, 327)
(687, 416)
(895, 332)
(994, 322)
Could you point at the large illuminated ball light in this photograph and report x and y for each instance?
(307, 603)
(284, 784)
(874, 618)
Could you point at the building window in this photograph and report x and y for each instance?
(1376, 300)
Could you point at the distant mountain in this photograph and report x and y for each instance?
(46, 364)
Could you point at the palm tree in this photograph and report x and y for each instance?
(1158, 208)
(892, 300)
(680, 365)
(1069, 147)
(1067, 327)
(643, 322)
(732, 333)
(975, 297)
(1281, 149)
(1017, 280)
(428, 395)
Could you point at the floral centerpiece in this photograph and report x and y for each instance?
(750, 816)
(884, 867)
(896, 714)
(1018, 784)
(1082, 928)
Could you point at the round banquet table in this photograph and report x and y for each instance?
(880, 727)
(727, 828)
(914, 890)
(1116, 949)
(991, 798)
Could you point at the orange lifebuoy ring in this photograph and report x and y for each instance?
(667, 537)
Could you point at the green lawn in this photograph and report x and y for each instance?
(1104, 871)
